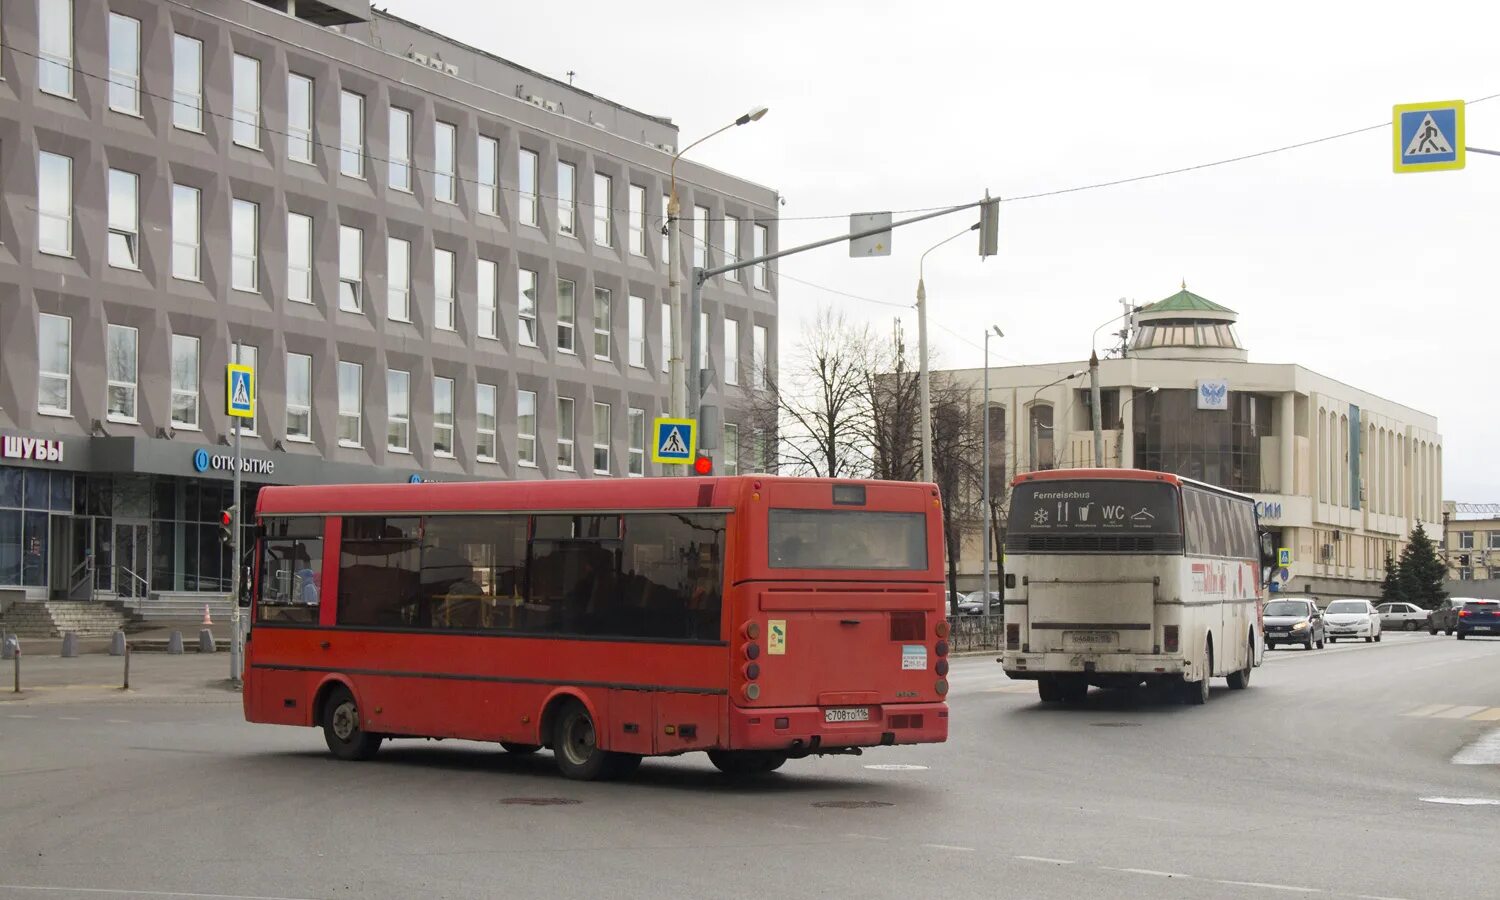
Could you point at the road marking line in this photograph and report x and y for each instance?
(1422, 711)
(1488, 715)
(117, 721)
(1483, 752)
(1375, 897)
(1273, 887)
(68, 719)
(865, 837)
(948, 847)
(19, 716)
(39, 888)
(1462, 801)
(1045, 859)
(790, 825)
(1457, 712)
(1148, 872)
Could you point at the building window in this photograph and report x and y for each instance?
(527, 308)
(488, 290)
(731, 351)
(636, 461)
(398, 411)
(184, 381)
(54, 390)
(351, 134)
(244, 239)
(124, 64)
(762, 236)
(351, 265)
(1494, 540)
(54, 204)
(567, 199)
(601, 323)
(489, 176)
(298, 397)
(299, 118)
(731, 464)
(637, 220)
(731, 246)
(700, 237)
(248, 356)
(761, 374)
(187, 83)
(445, 162)
(398, 279)
(526, 428)
(666, 337)
(185, 230)
(1172, 435)
(124, 220)
(484, 403)
(298, 257)
(567, 315)
(399, 164)
(1466, 574)
(603, 189)
(442, 289)
(351, 409)
(529, 167)
(55, 47)
(122, 346)
(1466, 540)
(565, 430)
(442, 416)
(637, 326)
(247, 101)
(601, 438)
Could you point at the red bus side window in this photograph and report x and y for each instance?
(291, 574)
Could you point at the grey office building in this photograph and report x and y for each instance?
(440, 264)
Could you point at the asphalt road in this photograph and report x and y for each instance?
(1311, 782)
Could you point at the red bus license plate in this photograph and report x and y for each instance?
(847, 714)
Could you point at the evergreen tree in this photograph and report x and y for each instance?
(1421, 571)
(1390, 586)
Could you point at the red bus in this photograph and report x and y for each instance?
(754, 617)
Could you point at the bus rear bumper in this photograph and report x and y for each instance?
(805, 730)
(1024, 666)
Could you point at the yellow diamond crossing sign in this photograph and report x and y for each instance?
(675, 441)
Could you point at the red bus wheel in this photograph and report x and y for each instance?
(520, 749)
(740, 763)
(575, 744)
(342, 728)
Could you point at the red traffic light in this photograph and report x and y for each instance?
(703, 465)
(226, 518)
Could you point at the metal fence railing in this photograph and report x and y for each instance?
(975, 633)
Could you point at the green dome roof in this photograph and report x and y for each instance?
(1186, 301)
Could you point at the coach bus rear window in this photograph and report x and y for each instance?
(1089, 509)
(847, 539)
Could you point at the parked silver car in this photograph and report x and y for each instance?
(1403, 616)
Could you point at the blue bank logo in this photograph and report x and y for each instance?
(200, 460)
(415, 479)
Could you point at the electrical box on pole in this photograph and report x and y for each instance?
(989, 226)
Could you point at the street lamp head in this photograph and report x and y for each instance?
(998, 332)
(754, 115)
(1153, 389)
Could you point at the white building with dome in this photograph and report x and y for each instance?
(1341, 475)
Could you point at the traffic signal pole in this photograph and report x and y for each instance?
(236, 647)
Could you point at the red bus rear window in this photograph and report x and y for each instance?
(847, 539)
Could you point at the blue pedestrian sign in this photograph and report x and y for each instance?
(675, 441)
(240, 381)
(1284, 557)
(1428, 137)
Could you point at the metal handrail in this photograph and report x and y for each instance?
(135, 579)
(75, 581)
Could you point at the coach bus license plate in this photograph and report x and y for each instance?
(847, 714)
(1092, 637)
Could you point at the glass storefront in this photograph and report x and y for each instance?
(27, 499)
(186, 553)
(1221, 447)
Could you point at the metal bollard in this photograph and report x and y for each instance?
(70, 645)
(126, 685)
(206, 641)
(16, 684)
(117, 644)
(174, 642)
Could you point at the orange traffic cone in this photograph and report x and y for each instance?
(207, 619)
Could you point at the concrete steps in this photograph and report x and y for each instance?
(53, 618)
(167, 607)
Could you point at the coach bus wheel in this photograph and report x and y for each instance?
(1050, 690)
(738, 763)
(1196, 692)
(575, 744)
(341, 728)
(1241, 679)
(515, 749)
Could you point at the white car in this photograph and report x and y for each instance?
(1407, 616)
(1352, 619)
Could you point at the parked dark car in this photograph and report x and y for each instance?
(1445, 617)
(1479, 617)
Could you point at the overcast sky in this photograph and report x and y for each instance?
(1382, 281)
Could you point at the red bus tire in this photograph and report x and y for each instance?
(342, 729)
(515, 749)
(575, 745)
(741, 763)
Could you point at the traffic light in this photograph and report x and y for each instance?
(1463, 559)
(226, 524)
(703, 465)
(989, 226)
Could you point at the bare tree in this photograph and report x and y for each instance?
(893, 395)
(956, 465)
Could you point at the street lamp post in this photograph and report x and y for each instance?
(1031, 415)
(1120, 447)
(985, 442)
(1094, 401)
(676, 371)
(923, 386)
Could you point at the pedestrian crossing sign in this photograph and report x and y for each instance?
(1284, 557)
(1428, 137)
(240, 383)
(676, 440)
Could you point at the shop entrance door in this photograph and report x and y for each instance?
(72, 557)
(132, 558)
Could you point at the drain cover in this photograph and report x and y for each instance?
(1116, 724)
(540, 801)
(852, 804)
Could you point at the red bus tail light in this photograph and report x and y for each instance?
(942, 628)
(1012, 636)
(941, 649)
(941, 687)
(752, 692)
(941, 668)
(752, 651)
(752, 671)
(751, 630)
(1169, 638)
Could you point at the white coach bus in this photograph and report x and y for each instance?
(1123, 577)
